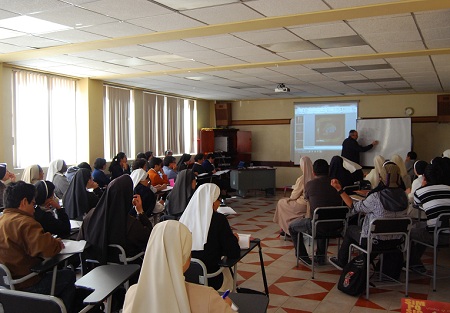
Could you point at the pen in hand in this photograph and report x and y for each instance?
(225, 294)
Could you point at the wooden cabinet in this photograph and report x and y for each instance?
(233, 144)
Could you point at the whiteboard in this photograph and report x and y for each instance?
(393, 134)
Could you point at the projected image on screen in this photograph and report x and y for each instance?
(318, 129)
(330, 129)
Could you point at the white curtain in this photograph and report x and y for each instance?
(44, 119)
(117, 115)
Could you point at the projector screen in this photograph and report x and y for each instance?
(318, 129)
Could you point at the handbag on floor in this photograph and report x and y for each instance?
(353, 276)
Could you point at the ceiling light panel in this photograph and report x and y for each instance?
(321, 31)
(223, 14)
(338, 42)
(126, 9)
(6, 33)
(166, 22)
(286, 7)
(349, 51)
(31, 25)
(28, 7)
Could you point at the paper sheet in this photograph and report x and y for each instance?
(73, 246)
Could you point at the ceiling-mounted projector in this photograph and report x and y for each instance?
(282, 88)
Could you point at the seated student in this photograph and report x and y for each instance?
(419, 169)
(55, 174)
(168, 152)
(168, 255)
(70, 173)
(156, 173)
(98, 174)
(387, 200)
(184, 162)
(5, 176)
(182, 191)
(170, 167)
(208, 164)
(289, 209)
(110, 222)
(406, 179)
(211, 232)
(141, 186)
(197, 167)
(119, 165)
(374, 175)
(339, 172)
(78, 201)
(446, 154)
(32, 174)
(319, 193)
(411, 158)
(26, 244)
(434, 199)
(444, 166)
(43, 211)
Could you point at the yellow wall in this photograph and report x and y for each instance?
(272, 142)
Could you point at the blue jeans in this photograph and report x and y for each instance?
(64, 286)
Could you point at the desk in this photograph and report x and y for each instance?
(104, 280)
(228, 262)
(46, 265)
(253, 178)
(250, 303)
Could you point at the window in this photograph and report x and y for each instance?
(118, 121)
(169, 123)
(44, 119)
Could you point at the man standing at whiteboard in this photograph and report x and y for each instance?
(351, 147)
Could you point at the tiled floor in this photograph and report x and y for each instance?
(292, 289)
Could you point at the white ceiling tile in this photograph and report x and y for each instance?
(433, 19)
(31, 25)
(155, 67)
(188, 64)
(383, 24)
(130, 62)
(286, 7)
(298, 55)
(395, 36)
(116, 29)
(6, 33)
(166, 22)
(387, 73)
(218, 42)
(166, 58)
(98, 55)
(65, 59)
(126, 9)
(222, 61)
(32, 41)
(203, 54)
(436, 33)
(29, 6)
(223, 14)
(365, 62)
(398, 46)
(325, 65)
(174, 46)
(345, 76)
(36, 63)
(243, 51)
(325, 30)
(349, 50)
(339, 4)
(289, 70)
(418, 59)
(193, 4)
(73, 17)
(257, 58)
(437, 44)
(6, 14)
(396, 84)
(73, 36)
(133, 51)
(267, 37)
(7, 48)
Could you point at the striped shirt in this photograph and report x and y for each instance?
(433, 200)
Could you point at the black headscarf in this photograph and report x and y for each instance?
(76, 199)
(181, 193)
(107, 223)
(181, 162)
(44, 190)
(338, 171)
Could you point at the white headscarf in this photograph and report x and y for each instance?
(446, 153)
(307, 169)
(53, 168)
(137, 176)
(374, 175)
(161, 286)
(400, 163)
(198, 214)
(350, 165)
(30, 174)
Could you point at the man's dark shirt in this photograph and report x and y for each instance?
(351, 149)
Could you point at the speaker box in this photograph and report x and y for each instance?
(443, 108)
(223, 114)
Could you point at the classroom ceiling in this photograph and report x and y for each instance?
(236, 50)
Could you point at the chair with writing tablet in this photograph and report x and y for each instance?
(8, 282)
(14, 301)
(197, 272)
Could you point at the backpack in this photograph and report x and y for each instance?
(353, 277)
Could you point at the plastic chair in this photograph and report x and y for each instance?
(8, 282)
(334, 218)
(442, 225)
(14, 301)
(382, 227)
(197, 272)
